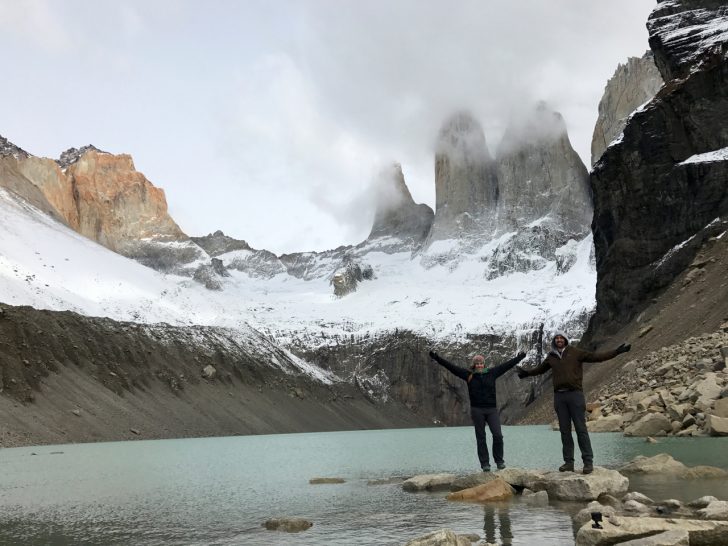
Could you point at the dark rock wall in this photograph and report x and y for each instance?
(651, 210)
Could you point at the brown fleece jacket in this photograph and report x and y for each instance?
(567, 369)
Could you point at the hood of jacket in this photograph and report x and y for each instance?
(553, 341)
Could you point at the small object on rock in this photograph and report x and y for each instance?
(135, 431)
(318, 481)
(288, 525)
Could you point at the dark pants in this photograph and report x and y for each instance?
(480, 417)
(570, 407)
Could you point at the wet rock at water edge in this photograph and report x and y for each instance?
(429, 482)
(494, 490)
(442, 537)
(288, 525)
(319, 481)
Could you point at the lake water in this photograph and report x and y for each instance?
(220, 490)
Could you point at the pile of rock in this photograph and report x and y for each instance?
(681, 390)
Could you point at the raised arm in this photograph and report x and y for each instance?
(462, 373)
(507, 365)
(605, 355)
(538, 370)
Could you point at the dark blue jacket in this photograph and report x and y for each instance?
(481, 386)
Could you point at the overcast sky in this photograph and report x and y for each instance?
(269, 119)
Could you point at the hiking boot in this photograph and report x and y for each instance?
(486, 468)
(501, 466)
(566, 467)
(588, 468)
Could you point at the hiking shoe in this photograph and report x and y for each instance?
(588, 468)
(501, 466)
(566, 467)
(486, 468)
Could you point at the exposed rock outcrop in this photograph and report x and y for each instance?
(72, 155)
(466, 185)
(397, 215)
(218, 243)
(8, 149)
(632, 85)
(658, 191)
(540, 175)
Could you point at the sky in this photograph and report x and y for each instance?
(270, 119)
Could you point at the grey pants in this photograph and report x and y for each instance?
(570, 407)
(480, 417)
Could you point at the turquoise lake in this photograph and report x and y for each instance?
(220, 490)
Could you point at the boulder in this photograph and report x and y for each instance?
(441, 537)
(664, 464)
(702, 502)
(535, 497)
(635, 506)
(720, 408)
(716, 426)
(495, 490)
(635, 528)
(651, 424)
(429, 482)
(288, 525)
(581, 487)
(637, 496)
(519, 477)
(472, 480)
(612, 423)
(717, 509)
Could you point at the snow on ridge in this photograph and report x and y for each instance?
(46, 265)
(707, 157)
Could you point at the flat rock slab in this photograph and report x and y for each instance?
(495, 490)
(441, 537)
(569, 486)
(288, 525)
(429, 482)
(714, 533)
(519, 477)
(318, 481)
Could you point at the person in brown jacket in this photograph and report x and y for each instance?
(565, 363)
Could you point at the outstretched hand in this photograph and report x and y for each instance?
(521, 373)
(433, 355)
(521, 355)
(623, 348)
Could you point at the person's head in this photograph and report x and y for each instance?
(560, 341)
(478, 362)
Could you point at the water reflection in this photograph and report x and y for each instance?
(497, 524)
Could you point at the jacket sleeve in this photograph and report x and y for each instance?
(507, 365)
(598, 357)
(540, 369)
(462, 373)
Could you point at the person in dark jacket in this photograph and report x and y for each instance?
(565, 363)
(483, 406)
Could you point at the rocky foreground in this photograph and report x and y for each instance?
(680, 390)
(612, 515)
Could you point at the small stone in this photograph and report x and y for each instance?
(209, 371)
(135, 431)
(319, 481)
(76, 412)
(288, 525)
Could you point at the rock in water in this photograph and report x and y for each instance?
(288, 525)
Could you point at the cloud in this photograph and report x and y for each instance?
(35, 22)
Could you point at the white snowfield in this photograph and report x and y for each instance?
(707, 157)
(46, 265)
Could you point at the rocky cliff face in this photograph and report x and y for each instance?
(397, 215)
(540, 175)
(660, 190)
(632, 85)
(466, 185)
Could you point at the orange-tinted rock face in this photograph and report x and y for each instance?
(47, 176)
(116, 204)
(101, 196)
